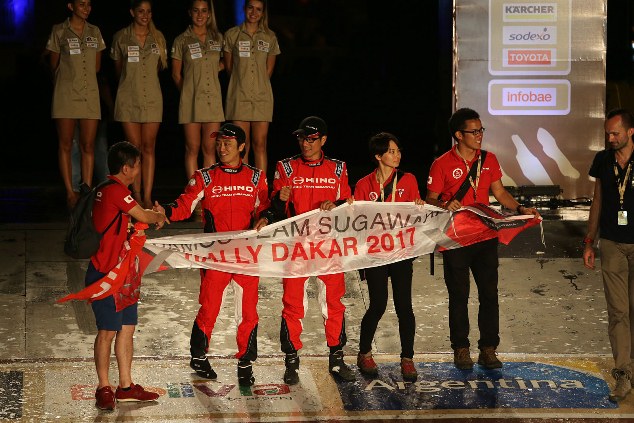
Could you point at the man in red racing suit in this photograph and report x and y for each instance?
(302, 183)
(233, 196)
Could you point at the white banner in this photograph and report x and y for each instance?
(349, 237)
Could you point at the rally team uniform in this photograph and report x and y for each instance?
(250, 95)
(311, 182)
(139, 97)
(76, 92)
(400, 272)
(112, 204)
(201, 97)
(617, 249)
(231, 197)
(446, 175)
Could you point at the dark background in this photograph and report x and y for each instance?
(363, 66)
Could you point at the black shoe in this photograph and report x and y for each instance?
(337, 367)
(245, 373)
(202, 367)
(291, 374)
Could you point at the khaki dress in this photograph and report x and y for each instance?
(139, 98)
(249, 95)
(201, 97)
(76, 92)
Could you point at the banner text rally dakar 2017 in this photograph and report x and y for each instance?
(363, 234)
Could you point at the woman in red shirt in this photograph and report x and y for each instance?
(387, 183)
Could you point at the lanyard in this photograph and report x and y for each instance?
(393, 186)
(474, 184)
(622, 184)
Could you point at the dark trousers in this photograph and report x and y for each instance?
(400, 273)
(482, 260)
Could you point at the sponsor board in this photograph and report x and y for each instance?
(530, 38)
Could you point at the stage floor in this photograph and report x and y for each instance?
(554, 342)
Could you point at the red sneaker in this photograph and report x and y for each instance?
(135, 393)
(408, 369)
(366, 364)
(105, 398)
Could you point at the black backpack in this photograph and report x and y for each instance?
(82, 239)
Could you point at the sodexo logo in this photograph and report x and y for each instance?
(529, 35)
(442, 386)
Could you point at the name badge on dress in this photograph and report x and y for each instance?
(622, 218)
(197, 55)
(75, 51)
(133, 59)
(263, 46)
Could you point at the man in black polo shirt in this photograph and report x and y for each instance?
(612, 214)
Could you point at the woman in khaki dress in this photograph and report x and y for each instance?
(196, 61)
(139, 52)
(249, 56)
(74, 50)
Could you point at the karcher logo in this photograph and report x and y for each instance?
(531, 9)
(530, 12)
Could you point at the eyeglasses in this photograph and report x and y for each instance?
(475, 132)
(311, 139)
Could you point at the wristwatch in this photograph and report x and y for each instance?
(587, 240)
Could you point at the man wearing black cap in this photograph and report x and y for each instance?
(302, 183)
(233, 196)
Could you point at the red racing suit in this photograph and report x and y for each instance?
(311, 182)
(231, 198)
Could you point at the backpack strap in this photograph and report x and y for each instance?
(119, 215)
(465, 184)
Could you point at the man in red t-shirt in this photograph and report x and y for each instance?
(305, 182)
(447, 174)
(112, 210)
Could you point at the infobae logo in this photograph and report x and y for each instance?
(529, 97)
(529, 12)
(529, 35)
